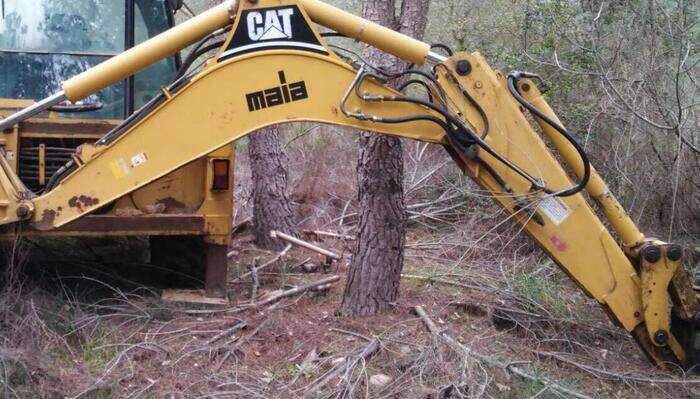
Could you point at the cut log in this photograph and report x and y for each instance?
(307, 245)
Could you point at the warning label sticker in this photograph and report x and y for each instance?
(555, 209)
(138, 159)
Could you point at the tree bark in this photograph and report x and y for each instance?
(272, 208)
(375, 271)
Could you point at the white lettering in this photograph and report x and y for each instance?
(255, 30)
(286, 15)
(270, 27)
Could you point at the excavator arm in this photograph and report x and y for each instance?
(275, 67)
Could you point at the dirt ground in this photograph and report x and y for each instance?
(124, 342)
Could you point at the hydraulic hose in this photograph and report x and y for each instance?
(512, 87)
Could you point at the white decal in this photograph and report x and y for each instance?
(138, 159)
(276, 24)
(555, 209)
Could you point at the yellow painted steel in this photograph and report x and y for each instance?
(217, 205)
(141, 56)
(656, 277)
(596, 187)
(572, 234)
(210, 112)
(365, 31)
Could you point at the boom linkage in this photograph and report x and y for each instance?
(275, 67)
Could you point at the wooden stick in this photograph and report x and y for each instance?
(289, 292)
(347, 366)
(298, 290)
(241, 226)
(302, 243)
(266, 264)
(329, 234)
(238, 326)
(256, 282)
(509, 367)
(352, 333)
(430, 279)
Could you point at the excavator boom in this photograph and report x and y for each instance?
(275, 67)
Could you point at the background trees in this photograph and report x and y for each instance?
(375, 271)
(272, 208)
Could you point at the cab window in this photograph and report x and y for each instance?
(44, 42)
(151, 19)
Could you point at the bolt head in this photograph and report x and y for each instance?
(463, 67)
(674, 253)
(23, 212)
(652, 254)
(661, 337)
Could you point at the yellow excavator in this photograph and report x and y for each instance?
(272, 65)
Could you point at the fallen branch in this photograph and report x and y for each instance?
(624, 377)
(430, 279)
(509, 367)
(288, 293)
(256, 282)
(351, 333)
(238, 326)
(266, 264)
(302, 243)
(321, 233)
(243, 225)
(240, 343)
(345, 367)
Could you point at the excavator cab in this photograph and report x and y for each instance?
(45, 42)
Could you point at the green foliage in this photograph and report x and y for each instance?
(538, 290)
(97, 350)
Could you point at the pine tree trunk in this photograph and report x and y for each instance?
(375, 271)
(272, 208)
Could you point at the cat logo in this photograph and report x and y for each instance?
(274, 24)
(279, 28)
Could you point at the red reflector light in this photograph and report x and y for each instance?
(221, 171)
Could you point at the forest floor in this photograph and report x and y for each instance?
(531, 334)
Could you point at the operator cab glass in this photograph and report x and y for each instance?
(44, 42)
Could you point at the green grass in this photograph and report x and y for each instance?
(546, 291)
(96, 350)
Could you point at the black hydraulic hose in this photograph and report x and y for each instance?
(512, 87)
(444, 47)
(193, 55)
(471, 137)
(59, 175)
(333, 34)
(474, 103)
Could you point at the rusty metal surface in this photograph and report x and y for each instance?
(122, 225)
(67, 128)
(82, 201)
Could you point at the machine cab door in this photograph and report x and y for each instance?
(45, 42)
